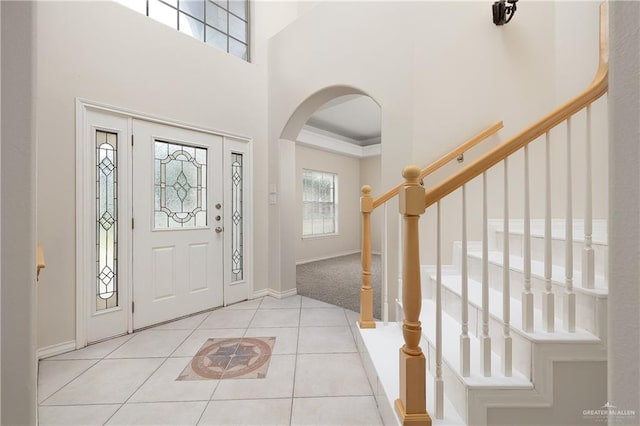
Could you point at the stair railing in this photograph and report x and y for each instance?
(368, 204)
(412, 361)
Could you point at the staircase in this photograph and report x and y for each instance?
(513, 332)
(555, 376)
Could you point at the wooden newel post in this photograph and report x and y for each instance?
(412, 404)
(366, 293)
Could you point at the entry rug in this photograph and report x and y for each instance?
(231, 358)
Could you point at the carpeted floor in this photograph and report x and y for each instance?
(338, 281)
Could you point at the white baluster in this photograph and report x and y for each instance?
(588, 261)
(485, 339)
(464, 336)
(569, 296)
(548, 316)
(439, 384)
(385, 268)
(527, 294)
(399, 317)
(507, 360)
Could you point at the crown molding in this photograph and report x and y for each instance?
(308, 137)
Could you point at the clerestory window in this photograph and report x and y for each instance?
(220, 23)
(320, 203)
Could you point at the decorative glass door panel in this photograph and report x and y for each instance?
(106, 220)
(236, 218)
(180, 186)
(237, 214)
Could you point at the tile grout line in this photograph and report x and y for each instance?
(244, 334)
(114, 413)
(92, 365)
(189, 357)
(222, 376)
(295, 364)
(154, 371)
(64, 385)
(373, 391)
(189, 335)
(218, 381)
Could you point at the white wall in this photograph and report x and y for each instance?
(347, 239)
(624, 204)
(104, 52)
(516, 73)
(267, 19)
(19, 366)
(441, 71)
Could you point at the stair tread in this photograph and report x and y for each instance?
(516, 263)
(451, 353)
(558, 226)
(453, 281)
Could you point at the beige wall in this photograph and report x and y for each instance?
(624, 203)
(19, 368)
(347, 240)
(104, 52)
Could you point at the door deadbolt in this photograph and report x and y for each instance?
(218, 206)
(218, 217)
(218, 230)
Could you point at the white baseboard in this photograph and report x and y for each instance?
(333, 256)
(57, 349)
(260, 293)
(283, 294)
(274, 293)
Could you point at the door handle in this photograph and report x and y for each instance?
(218, 230)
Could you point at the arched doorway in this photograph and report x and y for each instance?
(334, 140)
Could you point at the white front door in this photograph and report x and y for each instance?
(178, 222)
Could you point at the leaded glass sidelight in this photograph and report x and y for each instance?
(180, 186)
(237, 246)
(106, 220)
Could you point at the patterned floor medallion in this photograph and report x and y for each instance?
(235, 358)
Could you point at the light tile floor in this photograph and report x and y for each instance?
(315, 374)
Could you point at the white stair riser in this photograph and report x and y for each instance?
(452, 305)
(558, 246)
(455, 390)
(587, 307)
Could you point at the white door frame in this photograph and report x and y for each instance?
(85, 153)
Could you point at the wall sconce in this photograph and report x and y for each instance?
(503, 11)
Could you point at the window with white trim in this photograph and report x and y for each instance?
(220, 23)
(319, 203)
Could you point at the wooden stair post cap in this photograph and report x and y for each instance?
(411, 173)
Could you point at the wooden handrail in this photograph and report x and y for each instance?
(442, 161)
(596, 89)
(40, 264)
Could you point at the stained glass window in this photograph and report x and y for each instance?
(320, 202)
(237, 246)
(106, 220)
(180, 186)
